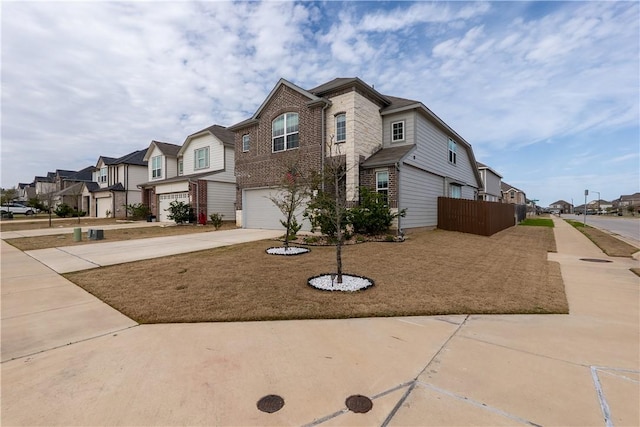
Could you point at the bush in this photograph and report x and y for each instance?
(294, 227)
(216, 220)
(322, 215)
(63, 210)
(180, 212)
(373, 215)
(138, 211)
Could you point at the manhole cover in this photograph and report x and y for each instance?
(359, 404)
(594, 260)
(271, 403)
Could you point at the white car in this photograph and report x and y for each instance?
(17, 208)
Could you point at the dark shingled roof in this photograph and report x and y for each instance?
(220, 132)
(387, 156)
(134, 158)
(168, 149)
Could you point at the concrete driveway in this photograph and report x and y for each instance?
(577, 369)
(83, 257)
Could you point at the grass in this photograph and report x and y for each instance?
(606, 242)
(432, 272)
(41, 221)
(538, 222)
(53, 241)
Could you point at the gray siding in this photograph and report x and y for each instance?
(221, 199)
(419, 192)
(432, 154)
(409, 118)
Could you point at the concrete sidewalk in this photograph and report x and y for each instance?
(576, 369)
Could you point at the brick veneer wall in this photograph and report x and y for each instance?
(260, 167)
(368, 180)
(149, 200)
(198, 196)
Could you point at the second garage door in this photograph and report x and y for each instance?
(260, 212)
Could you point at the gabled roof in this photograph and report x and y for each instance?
(92, 186)
(223, 134)
(42, 179)
(560, 202)
(506, 187)
(483, 166)
(388, 156)
(133, 158)
(72, 190)
(64, 173)
(347, 82)
(85, 174)
(180, 178)
(282, 82)
(106, 160)
(114, 187)
(166, 148)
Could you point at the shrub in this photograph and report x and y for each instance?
(321, 212)
(293, 227)
(373, 215)
(179, 212)
(63, 210)
(216, 220)
(138, 211)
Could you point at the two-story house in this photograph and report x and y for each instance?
(200, 173)
(394, 146)
(513, 195)
(115, 185)
(491, 190)
(561, 207)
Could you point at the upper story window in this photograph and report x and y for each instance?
(382, 184)
(341, 127)
(453, 151)
(156, 167)
(512, 194)
(102, 174)
(246, 142)
(180, 167)
(397, 131)
(284, 132)
(201, 158)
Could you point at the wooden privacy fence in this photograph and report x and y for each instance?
(474, 217)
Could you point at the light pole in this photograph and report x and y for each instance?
(584, 210)
(598, 213)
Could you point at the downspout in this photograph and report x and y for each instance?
(126, 190)
(400, 232)
(322, 145)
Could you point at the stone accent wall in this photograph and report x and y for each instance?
(260, 167)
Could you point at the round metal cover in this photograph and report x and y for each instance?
(359, 404)
(594, 260)
(270, 403)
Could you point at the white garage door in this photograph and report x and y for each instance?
(102, 206)
(260, 212)
(164, 201)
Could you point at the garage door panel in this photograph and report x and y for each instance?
(260, 212)
(164, 202)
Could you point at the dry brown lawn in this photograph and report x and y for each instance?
(432, 272)
(21, 222)
(609, 244)
(44, 242)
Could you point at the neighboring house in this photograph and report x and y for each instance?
(512, 195)
(561, 207)
(25, 192)
(395, 146)
(491, 180)
(44, 186)
(628, 201)
(115, 184)
(200, 173)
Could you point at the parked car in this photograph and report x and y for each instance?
(17, 208)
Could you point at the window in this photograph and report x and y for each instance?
(455, 191)
(156, 167)
(201, 158)
(453, 151)
(102, 175)
(341, 127)
(284, 131)
(382, 185)
(246, 142)
(180, 167)
(397, 131)
(512, 194)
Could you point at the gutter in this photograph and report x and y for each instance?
(322, 143)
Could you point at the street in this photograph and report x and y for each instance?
(626, 227)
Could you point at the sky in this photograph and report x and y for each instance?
(547, 93)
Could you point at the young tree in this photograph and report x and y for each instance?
(8, 195)
(292, 194)
(328, 208)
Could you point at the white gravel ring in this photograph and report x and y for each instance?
(291, 250)
(328, 282)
